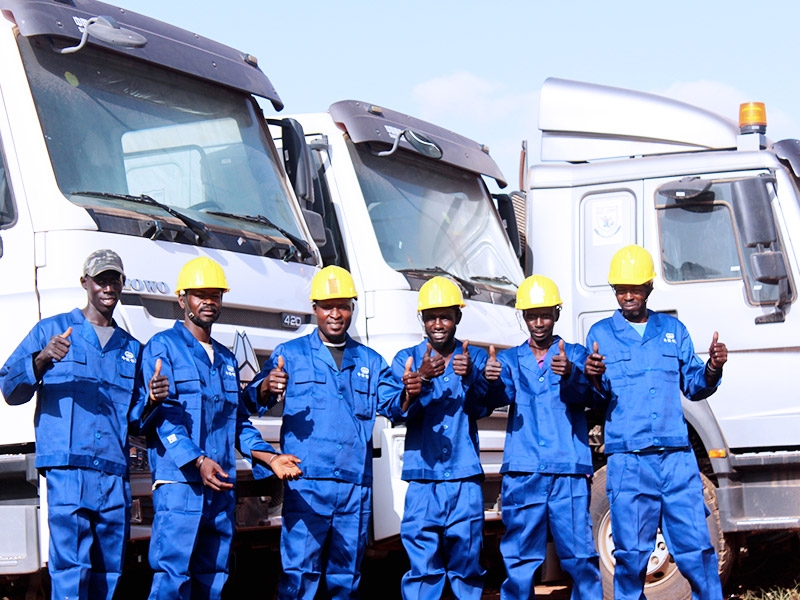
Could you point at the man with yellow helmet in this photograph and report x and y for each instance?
(192, 437)
(647, 361)
(329, 386)
(547, 461)
(439, 393)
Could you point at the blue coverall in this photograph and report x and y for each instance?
(81, 423)
(328, 418)
(546, 465)
(204, 414)
(442, 527)
(653, 476)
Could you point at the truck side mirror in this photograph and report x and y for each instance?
(297, 159)
(505, 207)
(752, 204)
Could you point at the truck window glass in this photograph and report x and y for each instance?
(117, 126)
(699, 242)
(429, 215)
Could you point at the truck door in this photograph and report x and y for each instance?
(710, 238)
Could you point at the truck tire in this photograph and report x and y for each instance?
(664, 581)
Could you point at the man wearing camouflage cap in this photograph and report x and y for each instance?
(82, 367)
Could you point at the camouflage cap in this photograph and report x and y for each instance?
(102, 260)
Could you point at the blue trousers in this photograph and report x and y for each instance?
(190, 541)
(649, 489)
(324, 535)
(442, 532)
(531, 502)
(89, 521)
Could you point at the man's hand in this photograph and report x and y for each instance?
(432, 365)
(493, 367)
(285, 466)
(159, 384)
(211, 472)
(561, 365)
(595, 364)
(275, 383)
(54, 351)
(717, 353)
(462, 363)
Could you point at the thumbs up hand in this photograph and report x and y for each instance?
(560, 364)
(159, 384)
(595, 363)
(277, 379)
(53, 352)
(462, 363)
(717, 354)
(411, 379)
(432, 365)
(493, 367)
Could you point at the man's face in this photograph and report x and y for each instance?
(440, 326)
(333, 318)
(103, 290)
(540, 323)
(202, 306)
(632, 299)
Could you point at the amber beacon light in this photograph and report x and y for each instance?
(752, 117)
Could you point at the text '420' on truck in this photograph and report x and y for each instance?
(119, 131)
(718, 207)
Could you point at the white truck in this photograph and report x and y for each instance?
(404, 200)
(718, 207)
(119, 131)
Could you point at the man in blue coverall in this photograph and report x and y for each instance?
(192, 436)
(83, 367)
(329, 385)
(647, 360)
(547, 461)
(440, 400)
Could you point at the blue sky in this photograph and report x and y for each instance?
(476, 67)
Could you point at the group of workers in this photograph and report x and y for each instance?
(95, 384)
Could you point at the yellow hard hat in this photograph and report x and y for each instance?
(631, 265)
(439, 292)
(537, 291)
(332, 282)
(200, 273)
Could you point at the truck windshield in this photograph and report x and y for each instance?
(119, 130)
(428, 215)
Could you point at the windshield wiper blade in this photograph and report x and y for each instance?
(298, 244)
(469, 287)
(197, 228)
(500, 279)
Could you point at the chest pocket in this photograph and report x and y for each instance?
(187, 381)
(309, 389)
(619, 366)
(126, 373)
(363, 396)
(69, 369)
(669, 364)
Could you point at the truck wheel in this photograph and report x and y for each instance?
(664, 581)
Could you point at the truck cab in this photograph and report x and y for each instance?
(403, 200)
(119, 131)
(716, 204)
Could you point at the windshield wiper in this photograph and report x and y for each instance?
(469, 287)
(197, 228)
(298, 244)
(501, 279)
